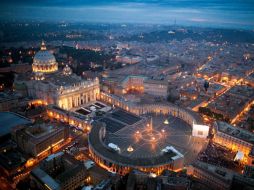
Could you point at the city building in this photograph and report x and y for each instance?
(249, 171)
(171, 180)
(39, 140)
(10, 101)
(137, 83)
(250, 79)
(140, 180)
(177, 183)
(128, 59)
(59, 171)
(156, 87)
(236, 139)
(201, 131)
(242, 182)
(62, 88)
(189, 93)
(69, 117)
(230, 105)
(187, 115)
(81, 117)
(214, 177)
(132, 83)
(10, 120)
(12, 162)
(104, 185)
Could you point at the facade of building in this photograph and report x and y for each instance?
(59, 171)
(62, 88)
(214, 177)
(242, 182)
(133, 83)
(141, 180)
(129, 59)
(10, 101)
(201, 131)
(11, 160)
(156, 87)
(187, 115)
(69, 117)
(39, 140)
(235, 139)
(138, 83)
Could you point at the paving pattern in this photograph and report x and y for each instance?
(145, 141)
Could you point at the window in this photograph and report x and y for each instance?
(200, 132)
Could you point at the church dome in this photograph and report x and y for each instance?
(44, 57)
(44, 61)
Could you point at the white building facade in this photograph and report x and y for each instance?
(62, 88)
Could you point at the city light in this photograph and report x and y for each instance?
(110, 95)
(130, 149)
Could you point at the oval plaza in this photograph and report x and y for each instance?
(156, 138)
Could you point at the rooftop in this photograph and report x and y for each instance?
(9, 120)
(218, 172)
(242, 91)
(229, 104)
(67, 166)
(38, 132)
(44, 57)
(118, 119)
(125, 117)
(10, 158)
(41, 175)
(159, 82)
(235, 132)
(4, 97)
(58, 79)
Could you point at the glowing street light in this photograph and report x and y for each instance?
(130, 149)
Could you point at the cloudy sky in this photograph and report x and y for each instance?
(225, 13)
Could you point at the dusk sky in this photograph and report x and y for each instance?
(219, 13)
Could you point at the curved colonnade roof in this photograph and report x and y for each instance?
(104, 151)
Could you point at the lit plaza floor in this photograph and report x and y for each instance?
(145, 142)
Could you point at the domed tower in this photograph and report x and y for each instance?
(44, 61)
(67, 70)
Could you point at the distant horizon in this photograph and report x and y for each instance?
(235, 14)
(251, 29)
